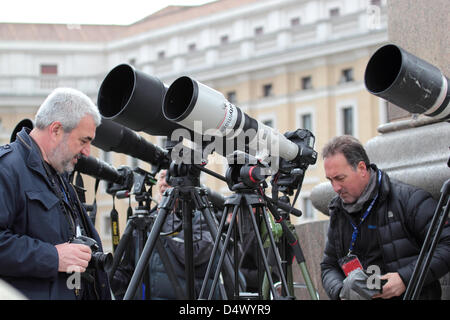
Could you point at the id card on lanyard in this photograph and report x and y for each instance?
(351, 262)
(361, 220)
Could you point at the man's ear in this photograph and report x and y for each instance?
(55, 129)
(362, 167)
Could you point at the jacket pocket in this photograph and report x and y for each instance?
(45, 198)
(43, 217)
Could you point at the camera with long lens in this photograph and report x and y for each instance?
(134, 99)
(99, 260)
(409, 82)
(111, 136)
(104, 171)
(206, 111)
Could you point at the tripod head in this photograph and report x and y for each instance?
(245, 172)
(139, 184)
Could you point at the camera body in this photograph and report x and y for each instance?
(291, 173)
(99, 260)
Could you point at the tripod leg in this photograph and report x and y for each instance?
(222, 255)
(261, 251)
(293, 242)
(145, 256)
(210, 220)
(420, 270)
(274, 250)
(188, 250)
(213, 253)
(123, 243)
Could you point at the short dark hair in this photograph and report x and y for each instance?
(350, 147)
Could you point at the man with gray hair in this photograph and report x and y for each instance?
(40, 213)
(377, 225)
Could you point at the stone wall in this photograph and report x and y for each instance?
(312, 238)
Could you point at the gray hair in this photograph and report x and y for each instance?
(350, 147)
(67, 106)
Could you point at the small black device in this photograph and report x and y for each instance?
(99, 260)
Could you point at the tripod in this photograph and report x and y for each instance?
(286, 182)
(249, 206)
(440, 217)
(184, 180)
(136, 230)
(289, 244)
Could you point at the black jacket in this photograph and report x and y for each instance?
(32, 223)
(398, 224)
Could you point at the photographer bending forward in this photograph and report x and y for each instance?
(381, 222)
(40, 211)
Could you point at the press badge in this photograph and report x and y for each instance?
(349, 263)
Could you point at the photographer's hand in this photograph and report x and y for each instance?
(73, 257)
(394, 286)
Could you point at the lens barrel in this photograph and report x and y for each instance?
(25, 123)
(407, 81)
(111, 136)
(134, 99)
(206, 111)
(99, 169)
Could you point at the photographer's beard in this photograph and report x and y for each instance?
(61, 158)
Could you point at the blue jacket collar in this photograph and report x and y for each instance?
(32, 152)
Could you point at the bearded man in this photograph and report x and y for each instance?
(40, 212)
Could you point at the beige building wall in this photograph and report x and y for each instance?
(321, 49)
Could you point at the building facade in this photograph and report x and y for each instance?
(289, 64)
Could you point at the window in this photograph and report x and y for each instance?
(346, 75)
(295, 21)
(161, 55)
(192, 47)
(49, 69)
(49, 74)
(224, 39)
(347, 120)
(334, 12)
(268, 122)
(306, 83)
(268, 119)
(267, 90)
(306, 121)
(231, 96)
(259, 31)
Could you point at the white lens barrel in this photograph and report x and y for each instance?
(206, 111)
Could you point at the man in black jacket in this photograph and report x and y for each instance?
(381, 221)
(40, 211)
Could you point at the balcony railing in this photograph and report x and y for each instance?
(23, 85)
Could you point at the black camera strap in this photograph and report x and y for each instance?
(114, 215)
